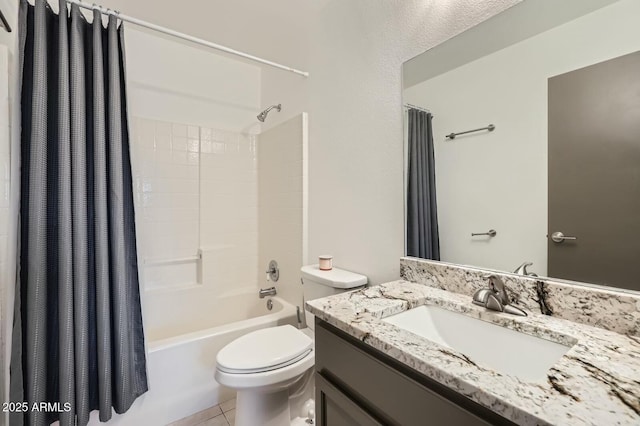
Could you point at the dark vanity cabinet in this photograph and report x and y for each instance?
(359, 385)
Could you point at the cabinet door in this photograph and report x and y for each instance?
(334, 408)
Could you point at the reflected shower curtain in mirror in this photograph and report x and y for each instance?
(422, 211)
(78, 336)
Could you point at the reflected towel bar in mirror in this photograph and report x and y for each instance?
(491, 233)
(490, 128)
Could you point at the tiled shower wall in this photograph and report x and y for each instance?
(196, 205)
(229, 209)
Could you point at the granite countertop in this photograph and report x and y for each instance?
(597, 382)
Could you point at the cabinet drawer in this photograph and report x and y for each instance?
(389, 390)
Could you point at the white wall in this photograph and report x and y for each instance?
(9, 134)
(282, 209)
(5, 198)
(357, 50)
(499, 180)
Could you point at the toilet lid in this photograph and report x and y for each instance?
(264, 350)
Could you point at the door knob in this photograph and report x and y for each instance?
(559, 237)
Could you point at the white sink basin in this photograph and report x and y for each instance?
(498, 348)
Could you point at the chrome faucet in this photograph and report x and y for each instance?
(264, 292)
(522, 270)
(496, 298)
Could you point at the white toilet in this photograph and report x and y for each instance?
(262, 365)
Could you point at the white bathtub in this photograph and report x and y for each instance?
(185, 329)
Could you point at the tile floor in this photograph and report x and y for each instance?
(223, 414)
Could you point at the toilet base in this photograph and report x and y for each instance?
(262, 408)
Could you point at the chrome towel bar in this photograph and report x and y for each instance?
(491, 233)
(490, 128)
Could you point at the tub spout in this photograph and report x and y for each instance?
(264, 292)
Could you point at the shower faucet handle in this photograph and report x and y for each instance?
(273, 273)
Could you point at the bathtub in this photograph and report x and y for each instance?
(184, 330)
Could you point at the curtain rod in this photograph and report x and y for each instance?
(183, 36)
(4, 23)
(417, 107)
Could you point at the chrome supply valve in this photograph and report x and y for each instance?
(309, 410)
(496, 298)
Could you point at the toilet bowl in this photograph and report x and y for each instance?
(261, 366)
(264, 365)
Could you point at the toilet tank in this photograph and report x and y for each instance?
(317, 283)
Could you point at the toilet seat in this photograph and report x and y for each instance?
(267, 381)
(264, 369)
(264, 350)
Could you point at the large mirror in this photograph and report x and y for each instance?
(522, 143)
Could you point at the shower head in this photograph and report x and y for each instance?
(263, 115)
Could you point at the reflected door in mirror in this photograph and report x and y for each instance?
(594, 173)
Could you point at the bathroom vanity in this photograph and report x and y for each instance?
(356, 384)
(373, 370)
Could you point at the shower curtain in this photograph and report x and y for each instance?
(78, 337)
(422, 211)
